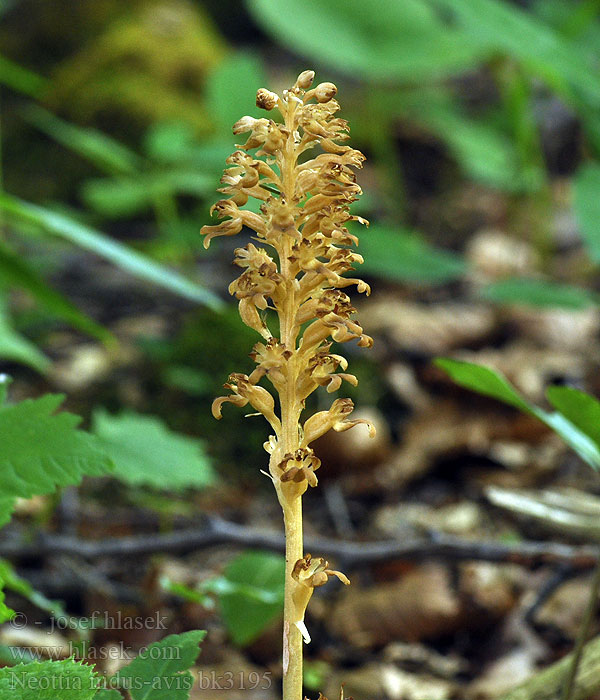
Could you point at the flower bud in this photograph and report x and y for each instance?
(244, 124)
(305, 79)
(265, 99)
(325, 92)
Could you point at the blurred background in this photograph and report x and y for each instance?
(480, 120)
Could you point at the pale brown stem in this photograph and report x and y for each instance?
(292, 638)
(290, 414)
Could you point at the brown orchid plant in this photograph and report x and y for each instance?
(295, 271)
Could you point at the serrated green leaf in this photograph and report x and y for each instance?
(15, 271)
(146, 452)
(231, 89)
(48, 680)
(382, 39)
(538, 293)
(587, 207)
(490, 383)
(403, 256)
(160, 672)
(41, 451)
(119, 254)
(250, 594)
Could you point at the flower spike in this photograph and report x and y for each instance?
(295, 268)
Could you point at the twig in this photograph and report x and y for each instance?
(569, 686)
(562, 573)
(424, 545)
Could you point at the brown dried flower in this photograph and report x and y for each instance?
(308, 574)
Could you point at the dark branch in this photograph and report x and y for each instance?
(425, 545)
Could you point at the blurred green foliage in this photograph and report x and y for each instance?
(145, 452)
(403, 54)
(151, 62)
(250, 593)
(118, 126)
(576, 418)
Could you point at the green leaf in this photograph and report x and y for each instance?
(119, 254)
(20, 79)
(251, 594)
(587, 207)
(108, 694)
(48, 680)
(146, 452)
(578, 441)
(9, 655)
(231, 89)
(101, 150)
(160, 672)
(174, 143)
(484, 153)
(15, 271)
(490, 383)
(15, 347)
(538, 293)
(11, 580)
(403, 256)
(41, 451)
(6, 508)
(483, 380)
(381, 39)
(210, 155)
(6, 613)
(581, 409)
(126, 196)
(496, 26)
(192, 595)
(169, 142)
